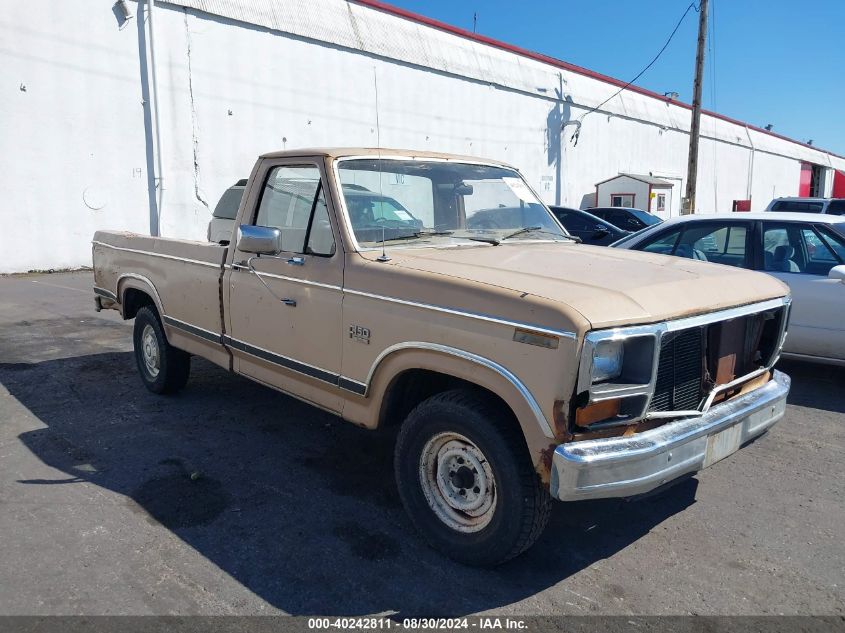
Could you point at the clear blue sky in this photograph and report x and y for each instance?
(776, 61)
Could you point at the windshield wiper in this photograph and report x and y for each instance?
(535, 229)
(486, 240)
(412, 236)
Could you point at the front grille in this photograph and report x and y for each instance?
(679, 372)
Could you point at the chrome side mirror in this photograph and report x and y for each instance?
(261, 240)
(837, 272)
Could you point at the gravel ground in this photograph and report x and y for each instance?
(230, 498)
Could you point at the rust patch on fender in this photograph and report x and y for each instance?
(544, 466)
(560, 421)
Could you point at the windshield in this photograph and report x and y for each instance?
(438, 202)
(646, 218)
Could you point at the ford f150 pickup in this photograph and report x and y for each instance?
(439, 295)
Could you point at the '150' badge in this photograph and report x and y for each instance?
(360, 334)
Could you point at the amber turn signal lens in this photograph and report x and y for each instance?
(597, 412)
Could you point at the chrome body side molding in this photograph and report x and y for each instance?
(463, 313)
(145, 280)
(154, 254)
(304, 282)
(526, 394)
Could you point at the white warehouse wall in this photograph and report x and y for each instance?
(77, 127)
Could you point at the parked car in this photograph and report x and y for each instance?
(516, 365)
(832, 206)
(805, 250)
(587, 227)
(626, 218)
(223, 217)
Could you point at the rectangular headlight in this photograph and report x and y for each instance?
(608, 355)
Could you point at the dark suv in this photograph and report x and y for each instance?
(626, 218)
(587, 227)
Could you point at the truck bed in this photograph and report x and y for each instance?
(182, 276)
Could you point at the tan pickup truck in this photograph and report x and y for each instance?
(439, 295)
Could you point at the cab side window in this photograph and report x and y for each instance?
(320, 237)
(293, 202)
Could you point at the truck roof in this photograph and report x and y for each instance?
(339, 152)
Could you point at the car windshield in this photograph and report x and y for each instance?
(423, 202)
(646, 218)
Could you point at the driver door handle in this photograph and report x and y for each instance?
(296, 261)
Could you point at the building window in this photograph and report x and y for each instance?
(621, 200)
(661, 202)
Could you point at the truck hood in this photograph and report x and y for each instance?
(607, 286)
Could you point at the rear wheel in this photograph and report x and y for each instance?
(466, 480)
(163, 368)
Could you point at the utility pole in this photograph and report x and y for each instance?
(695, 126)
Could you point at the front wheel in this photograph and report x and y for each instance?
(163, 368)
(466, 480)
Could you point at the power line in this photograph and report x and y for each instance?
(639, 74)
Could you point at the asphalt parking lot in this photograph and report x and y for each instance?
(230, 498)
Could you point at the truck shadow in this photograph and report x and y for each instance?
(295, 504)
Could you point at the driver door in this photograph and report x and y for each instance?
(285, 311)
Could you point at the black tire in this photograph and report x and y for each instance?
(173, 365)
(521, 504)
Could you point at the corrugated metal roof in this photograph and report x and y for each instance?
(659, 182)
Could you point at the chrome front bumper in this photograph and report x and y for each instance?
(628, 466)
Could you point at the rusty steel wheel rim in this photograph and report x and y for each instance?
(457, 482)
